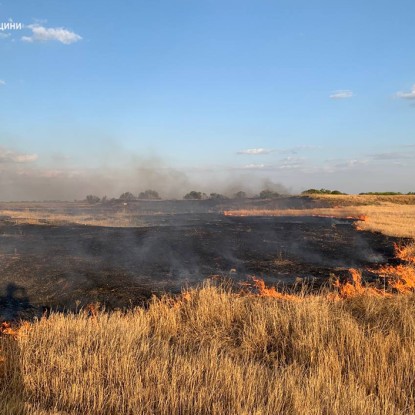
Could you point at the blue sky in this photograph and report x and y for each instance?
(305, 94)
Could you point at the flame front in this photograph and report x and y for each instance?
(17, 331)
(264, 291)
(405, 252)
(400, 277)
(355, 287)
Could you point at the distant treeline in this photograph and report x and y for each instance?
(322, 192)
(192, 195)
(196, 195)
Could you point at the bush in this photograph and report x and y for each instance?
(127, 196)
(217, 196)
(92, 199)
(322, 192)
(149, 194)
(239, 195)
(268, 194)
(193, 195)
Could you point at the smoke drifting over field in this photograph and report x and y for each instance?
(112, 170)
(22, 179)
(57, 266)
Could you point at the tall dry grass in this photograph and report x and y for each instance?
(391, 219)
(118, 219)
(392, 215)
(214, 352)
(355, 200)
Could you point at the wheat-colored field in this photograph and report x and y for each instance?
(353, 200)
(26, 216)
(214, 352)
(391, 215)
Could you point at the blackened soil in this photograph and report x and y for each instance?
(65, 267)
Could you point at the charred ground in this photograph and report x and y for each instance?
(173, 244)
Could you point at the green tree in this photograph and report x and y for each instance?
(322, 192)
(217, 196)
(193, 195)
(127, 196)
(92, 199)
(268, 194)
(149, 194)
(239, 195)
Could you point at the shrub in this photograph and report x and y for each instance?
(149, 194)
(322, 192)
(239, 195)
(193, 195)
(92, 199)
(268, 194)
(127, 196)
(217, 196)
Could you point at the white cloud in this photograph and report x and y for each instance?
(255, 151)
(2, 82)
(4, 35)
(341, 94)
(43, 34)
(254, 166)
(9, 156)
(392, 155)
(407, 95)
(349, 164)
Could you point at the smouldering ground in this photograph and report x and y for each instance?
(391, 215)
(214, 352)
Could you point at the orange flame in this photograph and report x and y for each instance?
(350, 289)
(6, 328)
(186, 296)
(179, 301)
(17, 331)
(355, 287)
(264, 291)
(399, 277)
(405, 252)
(92, 311)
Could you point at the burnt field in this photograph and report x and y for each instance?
(70, 265)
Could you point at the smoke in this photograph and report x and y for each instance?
(35, 184)
(23, 178)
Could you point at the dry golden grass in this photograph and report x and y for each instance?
(354, 200)
(389, 218)
(392, 220)
(338, 212)
(44, 217)
(214, 352)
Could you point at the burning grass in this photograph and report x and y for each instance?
(406, 252)
(211, 351)
(355, 288)
(214, 352)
